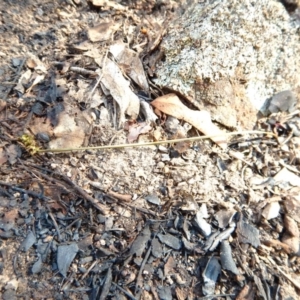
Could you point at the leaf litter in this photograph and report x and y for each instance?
(166, 222)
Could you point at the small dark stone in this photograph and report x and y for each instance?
(38, 109)
(164, 293)
(44, 137)
(283, 101)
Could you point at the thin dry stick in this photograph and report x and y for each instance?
(139, 277)
(55, 224)
(192, 139)
(124, 291)
(100, 76)
(101, 207)
(28, 192)
(89, 269)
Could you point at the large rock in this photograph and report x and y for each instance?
(231, 56)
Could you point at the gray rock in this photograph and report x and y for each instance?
(164, 293)
(229, 57)
(283, 101)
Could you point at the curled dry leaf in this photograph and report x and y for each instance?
(130, 58)
(171, 105)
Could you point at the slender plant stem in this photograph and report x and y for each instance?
(191, 139)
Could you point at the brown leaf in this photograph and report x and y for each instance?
(247, 293)
(130, 58)
(8, 221)
(68, 134)
(114, 81)
(171, 105)
(2, 104)
(12, 153)
(136, 129)
(3, 156)
(103, 31)
(291, 226)
(169, 266)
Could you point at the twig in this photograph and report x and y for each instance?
(191, 139)
(89, 269)
(209, 297)
(83, 71)
(138, 279)
(124, 291)
(101, 207)
(100, 76)
(55, 225)
(294, 282)
(30, 193)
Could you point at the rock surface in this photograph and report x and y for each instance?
(230, 57)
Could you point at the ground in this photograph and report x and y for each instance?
(188, 220)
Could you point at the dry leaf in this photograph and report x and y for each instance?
(67, 133)
(108, 3)
(33, 62)
(83, 46)
(114, 81)
(13, 152)
(292, 241)
(169, 266)
(3, 156)
(171, 105)
(291, 226)
(36, 81)
(8, 221)
(25, 77)
(136, 129)
(103, 31)
(130, 58)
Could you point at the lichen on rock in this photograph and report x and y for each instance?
(230, 56)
